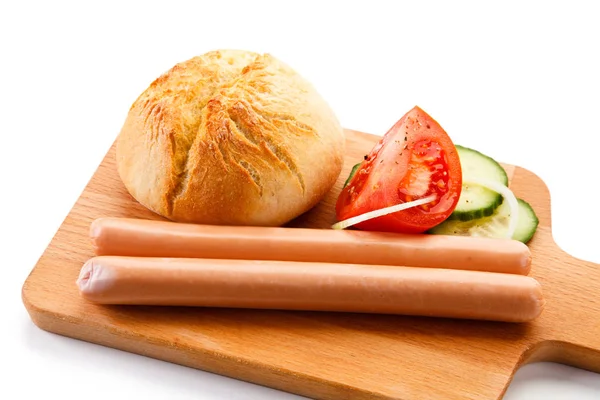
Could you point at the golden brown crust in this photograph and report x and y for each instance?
(230, 137)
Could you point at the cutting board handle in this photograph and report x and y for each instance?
(577, 342)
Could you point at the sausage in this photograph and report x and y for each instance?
(289, 285)
(148, 238)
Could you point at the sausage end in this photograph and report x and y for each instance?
(94, 279)
(534, 304)
(538, 300)
(95, 234)
(527, 259)
(100, 234)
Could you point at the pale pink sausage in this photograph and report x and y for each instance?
(147, 238)
(286, 285)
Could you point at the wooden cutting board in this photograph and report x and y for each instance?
(327, 355)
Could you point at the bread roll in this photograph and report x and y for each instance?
(230, 137)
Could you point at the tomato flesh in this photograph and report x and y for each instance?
(427, 174)
(414, 159)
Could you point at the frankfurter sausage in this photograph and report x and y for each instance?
(147, 238)
(287, 285)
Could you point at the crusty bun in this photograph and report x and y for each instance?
(230, 138)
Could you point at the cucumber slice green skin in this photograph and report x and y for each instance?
(494, 226)
(527, 223)
(475, 201)
(352, 173)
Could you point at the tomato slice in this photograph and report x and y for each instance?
(414, 159)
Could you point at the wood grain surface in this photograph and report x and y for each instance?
(326, 355)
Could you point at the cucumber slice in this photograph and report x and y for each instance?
(476, 201)
(495, 225)
(527, 223)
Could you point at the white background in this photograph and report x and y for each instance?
(517, 80)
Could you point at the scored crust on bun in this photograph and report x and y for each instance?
(230, 137)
